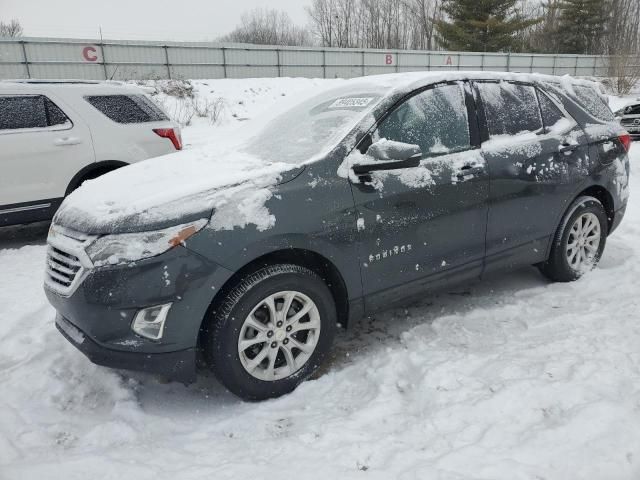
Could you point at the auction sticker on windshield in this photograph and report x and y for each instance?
(351, 102)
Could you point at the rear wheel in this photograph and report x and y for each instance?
(92, 175)
(271, 331)
(579, 242)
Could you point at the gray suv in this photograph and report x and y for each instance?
(365, 196)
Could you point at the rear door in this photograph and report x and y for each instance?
(426, 223)
(534, 153)
(42, 146)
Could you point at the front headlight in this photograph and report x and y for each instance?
(129, 247)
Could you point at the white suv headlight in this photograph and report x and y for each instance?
(129, 247)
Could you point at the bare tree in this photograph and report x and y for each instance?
(264, 26)
(623, 72)
(394, 24)
(623, 29)
(11, 29)
(622, 44)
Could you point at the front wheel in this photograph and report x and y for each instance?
(579, 242)
(271, 331)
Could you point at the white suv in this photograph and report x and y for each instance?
(54, 135)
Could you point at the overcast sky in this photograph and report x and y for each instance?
(138, 19)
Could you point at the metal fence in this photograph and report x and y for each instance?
(127, 60)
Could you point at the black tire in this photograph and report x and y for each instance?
(92, 175)
(557, 267)
(226, 318)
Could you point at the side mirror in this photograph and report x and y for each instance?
(389, 155)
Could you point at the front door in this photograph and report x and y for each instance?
(426, 223)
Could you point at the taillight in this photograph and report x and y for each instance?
(172, 135)
(625, 139)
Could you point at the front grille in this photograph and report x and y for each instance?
(62, 267)
(67, 262)
(629, 121)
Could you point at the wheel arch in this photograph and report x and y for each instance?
(596, 191)
(92, 170)
(604, 197)
(314, 261)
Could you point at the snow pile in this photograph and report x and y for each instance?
(201, 104)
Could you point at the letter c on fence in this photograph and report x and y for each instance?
(89, 54)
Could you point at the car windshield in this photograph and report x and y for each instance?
(632, 109)
(315, 125)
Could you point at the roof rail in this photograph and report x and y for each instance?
(34, 81)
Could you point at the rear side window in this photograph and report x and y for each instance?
(593, 103)
(510, 108)
(551, 114)
(127, 108)
(435, 119)
(29, 111)
(22, 112)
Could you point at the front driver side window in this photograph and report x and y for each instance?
(435, 119)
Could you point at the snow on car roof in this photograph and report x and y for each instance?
(411, 80)
(105, 86)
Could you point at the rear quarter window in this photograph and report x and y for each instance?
(593, 103)
(127, 108)
(55, 116)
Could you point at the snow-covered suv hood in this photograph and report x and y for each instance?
(175, 188)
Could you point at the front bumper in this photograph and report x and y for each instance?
(102, 307)
(178, 366)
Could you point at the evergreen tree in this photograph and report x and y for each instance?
(481, 25)
(582, 26)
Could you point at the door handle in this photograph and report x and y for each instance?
(469, 169)
(61, 142)
(567, 148)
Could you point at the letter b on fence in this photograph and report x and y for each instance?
(388, 59)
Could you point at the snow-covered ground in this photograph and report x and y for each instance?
(511, 378)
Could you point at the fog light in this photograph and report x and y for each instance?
(149, 322)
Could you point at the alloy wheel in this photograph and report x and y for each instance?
(583, 241)
(279, 335)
